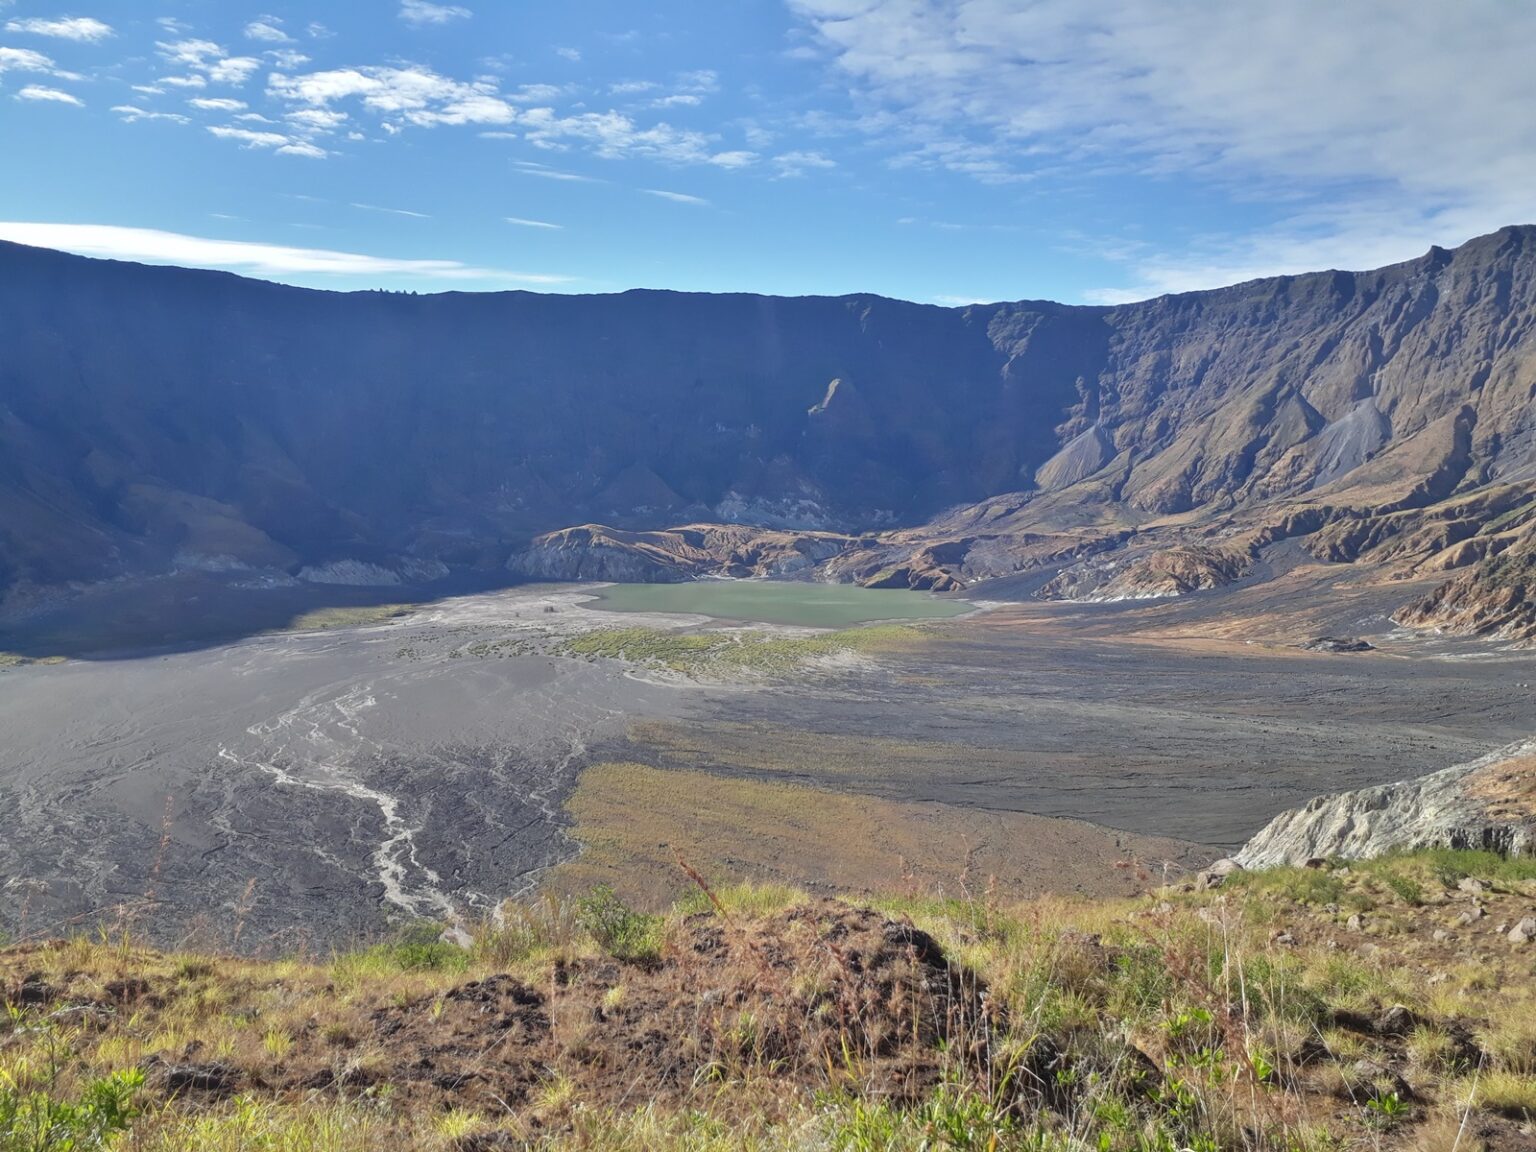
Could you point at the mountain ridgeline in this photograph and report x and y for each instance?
(158, 417)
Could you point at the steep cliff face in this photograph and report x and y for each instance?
(151, 416)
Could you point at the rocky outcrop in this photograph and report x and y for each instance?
(1496, 599)
(1156, 576)
(598, 552)
(1489, 803)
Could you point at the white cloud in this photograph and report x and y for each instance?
(522, 223)
(205, 61)
(676, 197)
(38, 93)
(249, 137)
(287, 58)
(423, 12)
(633, 87)
(236, 255)
(407, 95)
(613, 134)
(1384, 125)
(798, 163)
(316, 119)
(959, 301)
(190, 53)
(266, 30)
(217, 104)
(234, 70)
(571, 54)
(79, 28)
(535, 93)
(24, 60)
(133, 115)
(703, 80)
(280, 143)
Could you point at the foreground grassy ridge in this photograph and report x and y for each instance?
(720, 650)
(1367, 1007)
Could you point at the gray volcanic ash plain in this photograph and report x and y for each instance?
(318, 787)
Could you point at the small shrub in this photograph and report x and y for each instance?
(617, 928)
(40, 1122)
(1386, 1110)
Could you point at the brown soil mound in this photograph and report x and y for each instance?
(817, 996)
(812, 996)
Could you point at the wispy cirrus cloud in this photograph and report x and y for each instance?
(82, 29)
(530, 168)
(522, 222)
(677, 197)
(245, 256)
(1370, 127)
(391, 211)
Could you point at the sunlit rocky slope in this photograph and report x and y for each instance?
(152, 417)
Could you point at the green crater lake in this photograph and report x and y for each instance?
(781, 602)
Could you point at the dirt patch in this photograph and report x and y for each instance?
(1508, 787)
(632, 820)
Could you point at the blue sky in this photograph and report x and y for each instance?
(937, 150)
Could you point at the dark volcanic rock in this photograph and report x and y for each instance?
(1338, 644)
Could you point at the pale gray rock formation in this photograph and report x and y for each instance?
(1488, 803)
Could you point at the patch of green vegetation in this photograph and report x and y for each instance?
(417, 947)
(39, 1113)
(1314, 886)
(17, 660)
(325, 619)
(1510, 519)
(726, 651)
